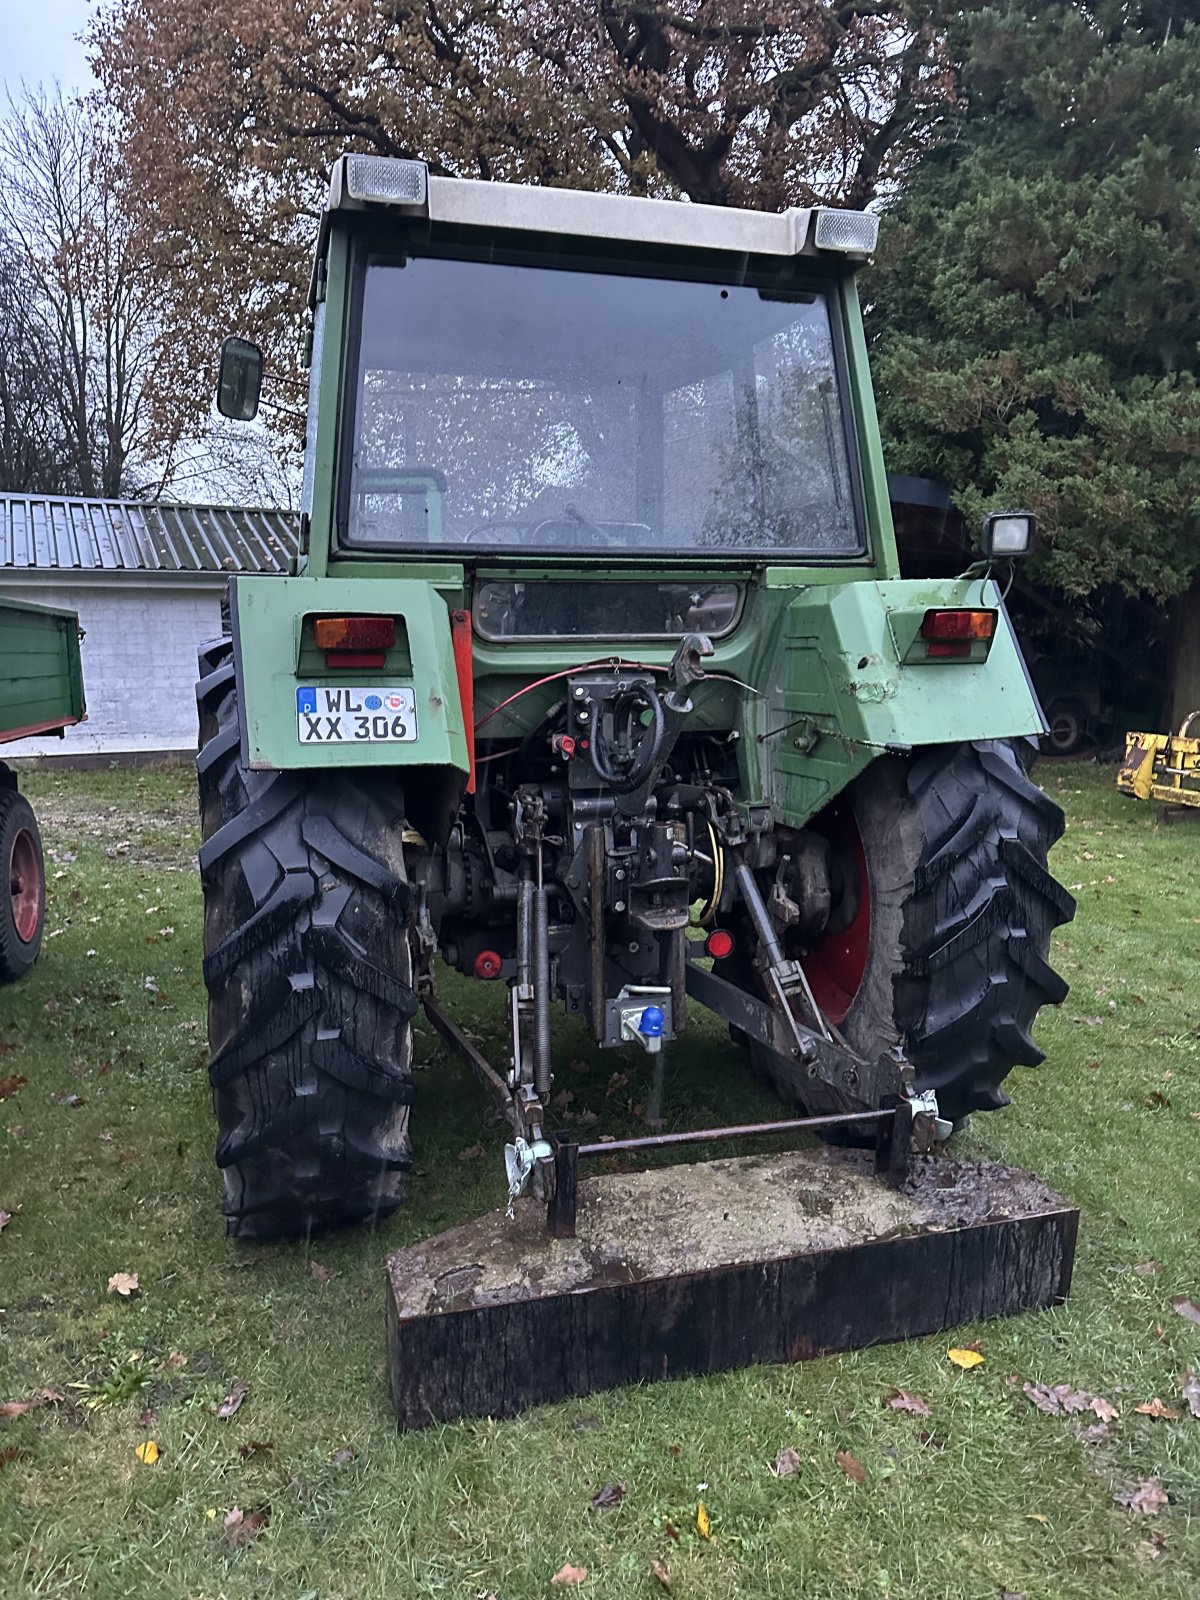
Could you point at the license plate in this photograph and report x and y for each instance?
(356, 715)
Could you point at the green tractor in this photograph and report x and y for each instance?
(597, 678)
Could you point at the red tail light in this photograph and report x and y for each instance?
(355, 633)
(719, 944)
(958, 625)
(950, 634)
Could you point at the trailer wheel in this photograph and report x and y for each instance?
(940, 933)
(23, 908)
(309, 974)
(1066, 728)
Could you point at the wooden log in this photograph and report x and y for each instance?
(721, 1264)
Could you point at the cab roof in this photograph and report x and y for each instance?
(375, 183)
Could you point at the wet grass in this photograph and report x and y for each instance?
(1001, 1498)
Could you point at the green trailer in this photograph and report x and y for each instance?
(41, 692)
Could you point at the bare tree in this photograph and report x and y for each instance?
(32, 449)
(82, 301)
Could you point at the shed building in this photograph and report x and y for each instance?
(146, 580)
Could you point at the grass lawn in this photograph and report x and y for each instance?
(106, 1166)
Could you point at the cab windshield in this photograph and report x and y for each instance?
(527, 408)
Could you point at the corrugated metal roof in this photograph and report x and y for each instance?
(45, 534)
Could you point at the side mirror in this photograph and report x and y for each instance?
(240, 381)
(1008, 533)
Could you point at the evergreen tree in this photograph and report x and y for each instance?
(1036, 310)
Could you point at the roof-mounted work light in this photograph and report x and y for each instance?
(385, 179)
(852, 233)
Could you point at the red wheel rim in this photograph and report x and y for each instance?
(837, 963)
(26, 887)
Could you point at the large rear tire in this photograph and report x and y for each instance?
(945, 947)
(309, 975)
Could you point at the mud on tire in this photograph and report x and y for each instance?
(962, 907)
(309, 977)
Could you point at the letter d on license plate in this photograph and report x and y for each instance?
(355, 715)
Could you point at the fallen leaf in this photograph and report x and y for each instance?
(903, 1400)
(9, 1086)
(1147, 1269)
(1150, 1549)
(62, 1098)
(1104, 1409)
(1061, 1400)
(674, 1449)
(851, 1466)
(1189, 1388)
(671, 1531)
(124, 1284)
(471, 1153)
(1187, 1308)
(5, 1218)
(1147, 1498)
(1157, 1099)
(1155, 1408)
(658, 1569)
(147, 1452)
(320, 1273)
(931, 1441)
(569, 1574)
(242, 1526)
(1037, 1516)
(1089, 1022)
(255, 1447)
(17, 1408)
(175, 1362)
(703, 1522)
(966, 1359)
(786, 1462)
(233, 1400)
(13, 1453)
(146, 1418)
(344, 1456)
(610, 1495)
(1098, 1433)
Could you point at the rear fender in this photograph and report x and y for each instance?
(845, 688)
(277, 664)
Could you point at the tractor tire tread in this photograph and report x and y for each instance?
(309, 977)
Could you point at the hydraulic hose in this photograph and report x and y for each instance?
(647, 752)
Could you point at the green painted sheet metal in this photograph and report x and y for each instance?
(41, 679)
(837, 694)
(267, 616)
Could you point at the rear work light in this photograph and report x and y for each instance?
(361, 642)
(949, 634)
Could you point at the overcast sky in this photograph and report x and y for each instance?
(40, 44)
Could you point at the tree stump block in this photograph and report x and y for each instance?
(691, 1269)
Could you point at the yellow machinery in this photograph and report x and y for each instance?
(1164, 766)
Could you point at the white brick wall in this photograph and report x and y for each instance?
(139, 660)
